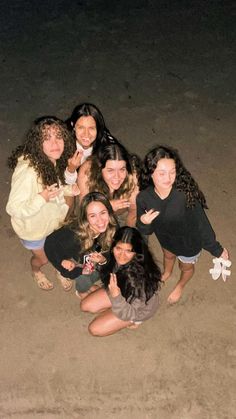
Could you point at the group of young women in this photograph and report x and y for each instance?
(99, 238)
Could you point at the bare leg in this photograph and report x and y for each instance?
(187, 271)
(96, 302)
(38, 260)
(168, 262)
(106, 324)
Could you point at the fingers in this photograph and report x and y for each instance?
(225, 254)
(149, 216)
(120, 204)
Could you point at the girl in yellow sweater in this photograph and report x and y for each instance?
(36, 202)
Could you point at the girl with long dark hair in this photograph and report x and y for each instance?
(171, 206)
(131, 281)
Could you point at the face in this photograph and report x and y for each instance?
(123, 253)
(53, 143)
(114, 174)
(164, 175)
(86, 131)
(98, 217)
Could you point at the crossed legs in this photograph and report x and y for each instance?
(106, 323)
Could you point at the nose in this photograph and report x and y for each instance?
(116, 175)
(86, 132)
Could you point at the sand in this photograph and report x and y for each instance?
(161, 72)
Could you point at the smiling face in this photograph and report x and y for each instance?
(164, 175)
(85, 131)
(98, 217)
(114, 174)
(123, 253)
(53, 143)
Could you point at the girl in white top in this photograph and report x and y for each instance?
(89, 131)
(36, 202)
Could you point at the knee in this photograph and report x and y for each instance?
(186, 267)
(169, 255)
(94, 330)
(85, 306)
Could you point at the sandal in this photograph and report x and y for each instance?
(216, 270)
(225, 272)
(66, 283)
(42, 281)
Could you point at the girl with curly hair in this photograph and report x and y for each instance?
(36, 202)
(77, 249)
(89, 132)
(131, 281)
(171, 206)
(113, 172)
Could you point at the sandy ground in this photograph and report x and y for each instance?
(160, 74)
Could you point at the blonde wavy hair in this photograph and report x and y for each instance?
(82, 228)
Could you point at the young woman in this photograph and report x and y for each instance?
(76, 250)
(89, 132)
(36, 203)
(131, 281)
(172, 206)
(112, 172)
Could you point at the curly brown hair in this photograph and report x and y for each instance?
(32, 150)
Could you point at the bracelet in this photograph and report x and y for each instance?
(102, 263)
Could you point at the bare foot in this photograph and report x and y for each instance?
(82, 295)
(133, 326)
(175, 295)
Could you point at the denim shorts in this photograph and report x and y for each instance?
(189, 259)
(33, 244)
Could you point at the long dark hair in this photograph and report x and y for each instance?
(184, 181)
(140, 278)
(88, 109)
(32, 150)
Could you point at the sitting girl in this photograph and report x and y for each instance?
(36, 203)
(131, 281)
(76, 249)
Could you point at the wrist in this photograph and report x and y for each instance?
(71, 169)
(103, 262)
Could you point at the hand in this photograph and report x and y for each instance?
(75, 190)
(149, 216)
(225, 254)
(118, 204)
(68, 264)
(113, 288)
(75, 161)
(50, 192)
(96, 257)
